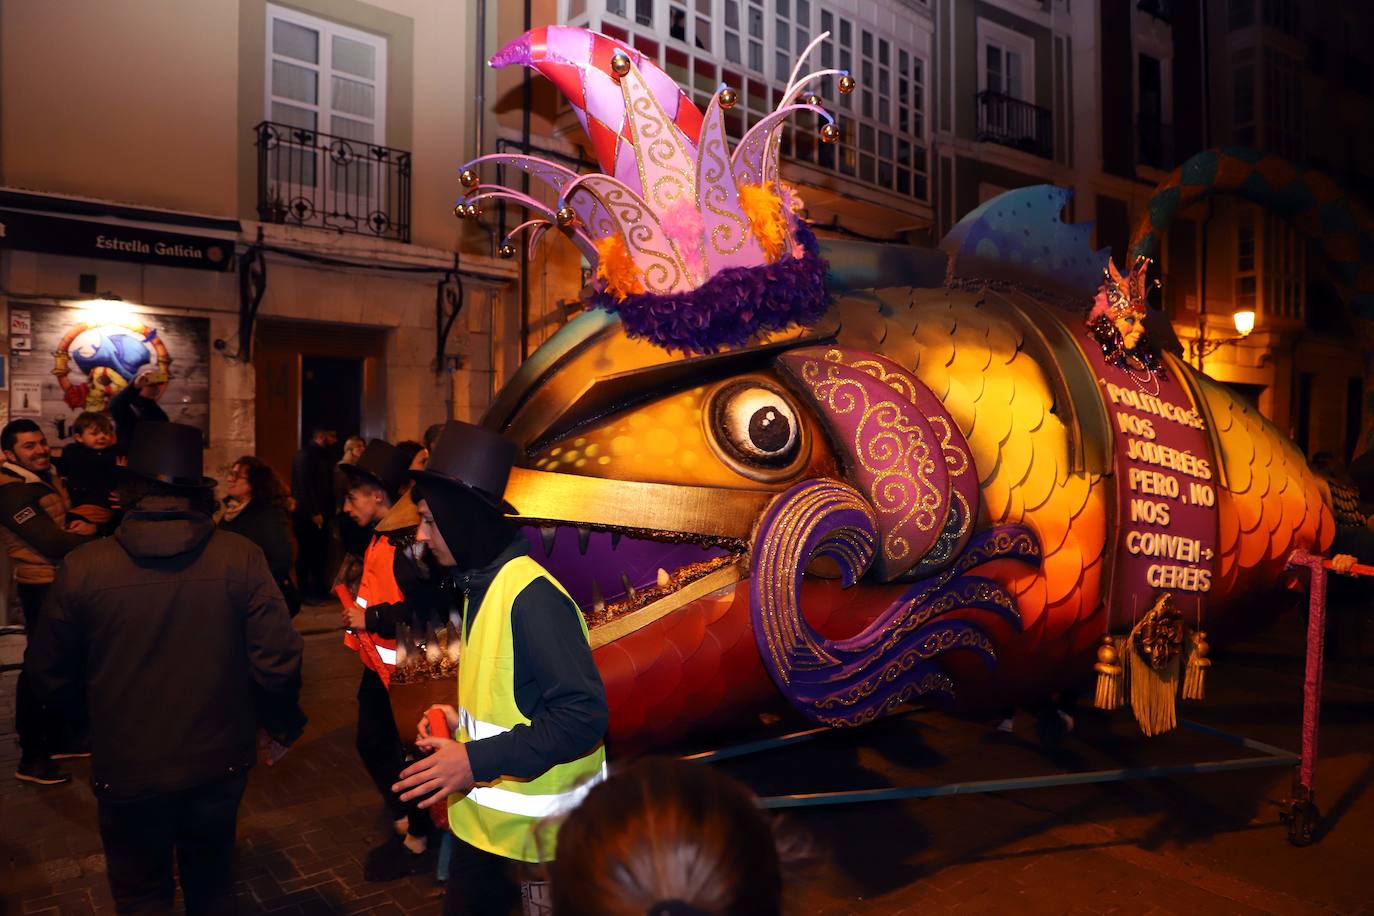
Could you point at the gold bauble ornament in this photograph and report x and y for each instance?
(460, 210)
(728, 98)
(812, 100)
(469, 178)
(620, 63)
(847, 84)
(1106, 653)
(507, 250)
(830, 134)
(565, 216)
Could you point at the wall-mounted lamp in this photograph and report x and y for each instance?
(1245, 321)
(1200, 347)
(105, 308)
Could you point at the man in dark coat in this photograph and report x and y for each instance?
(312, 486)
(180, 641)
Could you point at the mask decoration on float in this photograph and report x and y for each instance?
(1117, 319)
(695, 246)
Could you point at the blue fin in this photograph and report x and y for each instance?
(1018, 237)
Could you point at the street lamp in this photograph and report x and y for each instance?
(1201, 347)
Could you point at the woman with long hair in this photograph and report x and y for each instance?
(258, 507)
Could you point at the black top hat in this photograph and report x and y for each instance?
(171, 453)
(383, 464)
(474, 458)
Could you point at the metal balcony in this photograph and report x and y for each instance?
(1015, 123)
(307, 178)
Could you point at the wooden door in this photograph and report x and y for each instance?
(277, 422)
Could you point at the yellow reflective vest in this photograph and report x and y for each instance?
(503, 817)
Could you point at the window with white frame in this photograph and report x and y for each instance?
(325, 77)
(326, 83)
(1006, 61)
(752, 45)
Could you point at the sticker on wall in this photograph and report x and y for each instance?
(26, 398)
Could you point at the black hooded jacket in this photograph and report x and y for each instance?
(182, 644)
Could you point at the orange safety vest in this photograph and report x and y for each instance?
(377, 586)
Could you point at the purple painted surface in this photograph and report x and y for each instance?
(577, 561)
(896, 658)
(890, 451)
(1165, 474)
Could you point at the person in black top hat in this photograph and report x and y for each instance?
(395, 588)
(538, 727)
(171, 608)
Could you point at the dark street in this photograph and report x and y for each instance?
(1210, 843)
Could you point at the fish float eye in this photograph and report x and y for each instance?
(756, 425)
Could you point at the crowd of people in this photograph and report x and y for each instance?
(138, 586)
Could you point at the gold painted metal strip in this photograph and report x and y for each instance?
(636, 620)
(576, 500)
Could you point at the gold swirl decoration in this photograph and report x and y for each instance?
(797, 529)
(931, 646)
(891, 449)
(718, 193)
(657, 143)
(642, 231)
(964, 492)
(932, 683)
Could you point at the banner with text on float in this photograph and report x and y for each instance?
(1166, 487)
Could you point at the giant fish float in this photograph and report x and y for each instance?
(833, 478)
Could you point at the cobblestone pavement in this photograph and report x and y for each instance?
(1201, 844)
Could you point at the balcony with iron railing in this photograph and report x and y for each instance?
(1014, 122)
(308, 178)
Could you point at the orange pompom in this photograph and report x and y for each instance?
(616, 269)
(763, 208)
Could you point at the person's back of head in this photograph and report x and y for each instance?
(663, 836)
(409, 448)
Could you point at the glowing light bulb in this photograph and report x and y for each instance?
(1245, 322)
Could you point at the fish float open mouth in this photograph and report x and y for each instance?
(622, 578)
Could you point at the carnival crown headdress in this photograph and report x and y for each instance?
(1122, 294)
(695, 246)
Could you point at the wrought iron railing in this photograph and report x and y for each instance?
(307, 178)
(1015, 123)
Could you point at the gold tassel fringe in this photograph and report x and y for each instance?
(1154, 694)
(1195, 677)
(1111, 675)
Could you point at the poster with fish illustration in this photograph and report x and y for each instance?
(82, 357)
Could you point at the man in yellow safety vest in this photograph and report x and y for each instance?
(531, 711)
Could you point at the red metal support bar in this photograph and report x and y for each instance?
(1300, 811)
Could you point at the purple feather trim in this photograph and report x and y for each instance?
(731, 307)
